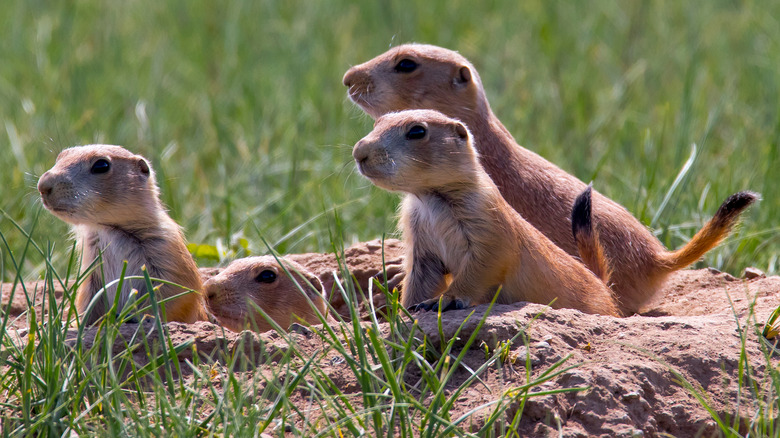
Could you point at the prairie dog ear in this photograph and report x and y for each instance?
(461, 130)
(143, 166)
(315, 281)
(463, 76)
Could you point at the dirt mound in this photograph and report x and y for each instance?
(694, 329)
(632, 392)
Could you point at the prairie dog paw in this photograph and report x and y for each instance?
(446, 303)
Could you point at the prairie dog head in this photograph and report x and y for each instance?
(416, 151)
(263, 281)
(99, 184)
(416, 76)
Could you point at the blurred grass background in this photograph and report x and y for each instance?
(241, 109)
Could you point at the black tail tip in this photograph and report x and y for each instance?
(737, 203)
(581, 221)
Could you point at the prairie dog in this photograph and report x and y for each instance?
(455, 222)
(416, 76)
(110, 197)
(364, 261)
(263, 281)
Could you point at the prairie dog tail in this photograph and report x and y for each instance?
(713, 232)
(587, 238)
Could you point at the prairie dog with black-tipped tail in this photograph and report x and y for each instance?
(455, 222)
(418, 76)
(110, 197)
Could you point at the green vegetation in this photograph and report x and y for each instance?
(62, 382)
(240, 107)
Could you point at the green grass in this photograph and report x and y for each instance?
(240, 107)
(241, 110)
(56, 381)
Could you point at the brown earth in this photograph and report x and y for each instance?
(694, 329)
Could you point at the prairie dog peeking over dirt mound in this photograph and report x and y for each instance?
(264, 282)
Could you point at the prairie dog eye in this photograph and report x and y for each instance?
(406, 66)
(100, 166)
(416, 132)
(267, 276)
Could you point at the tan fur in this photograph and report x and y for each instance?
(456, 223)
(540, 191)
(229, 293)
(118, 216)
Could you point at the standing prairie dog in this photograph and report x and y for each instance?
(263, 281)
(455, 222)
(111, 198)
(415, 76)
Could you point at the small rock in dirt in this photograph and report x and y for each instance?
(287, 427)
(753, 273)
(633, 395)
(22, 332)
(726, 275)
(574, 378)
(543, 351)
(542, 429)
(297, 328)
(522, 358)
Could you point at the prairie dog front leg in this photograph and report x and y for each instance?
(425, 278)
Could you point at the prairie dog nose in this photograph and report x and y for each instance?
(355, 76)
(349, 77)
(361, 151)
(210, 291)
(45, 184)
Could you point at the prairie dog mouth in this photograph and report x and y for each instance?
(371, 172)
(360, 97)
(56, 208)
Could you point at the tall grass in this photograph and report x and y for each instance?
(240, 107)
(60, 377)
